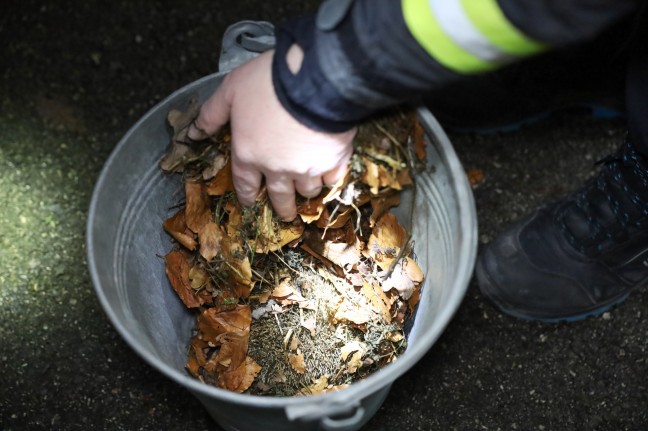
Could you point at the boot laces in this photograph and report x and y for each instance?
(611, 206)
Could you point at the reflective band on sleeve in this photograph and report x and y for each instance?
(428, 33)
(457, 25)
(487, 16)
(466, 36)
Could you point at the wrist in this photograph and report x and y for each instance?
(301, 86)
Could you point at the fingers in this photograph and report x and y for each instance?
(333, 176)
(247, 181)
(281, 191)
(214, 113)
(308, 187)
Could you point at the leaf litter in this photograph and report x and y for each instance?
(301, 307)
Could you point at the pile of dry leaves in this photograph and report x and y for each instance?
(302, 307)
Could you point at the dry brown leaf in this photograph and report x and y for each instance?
(180, 153)
(176, 226)
(310, 324)
(222, 181)
(349, 312)
(317, 387)
(378, 299)
(241, 378)
(339, 253)
(321, 386)
(475, 177)
(286, 294)
(198, 277)
(197, 208)
(216, 164)
(197, 357)
(177, 266)
(399, 280)
(395, 336)
(210, 237)
(238, 266)
(337, 220)
(386, 240)
(382, 204)
(352, 354)
(419, 140)
(272, 236)
(310, 210)
(229, 330)
(413, 270)
(297, 362)
(337, 188)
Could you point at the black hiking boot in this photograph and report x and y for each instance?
(576, 257)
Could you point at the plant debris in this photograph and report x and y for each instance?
(301, 307)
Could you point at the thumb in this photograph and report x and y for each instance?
(213, 114)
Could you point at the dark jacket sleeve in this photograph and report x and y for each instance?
(366, 57)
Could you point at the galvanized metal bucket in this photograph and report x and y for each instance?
(124, 239)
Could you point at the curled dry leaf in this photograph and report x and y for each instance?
(215, 166)
(382, 204)
(350, 312)
(310, 210)
(210, 237)
(378, 299)
(297, 362)
(178, 264)
(320, 386)
(272, 236)
(176, 226)
(241, 378)
(386, 240)
(197, 209)
(239, 266)
(181, 151)
(229, 330)
(352, 354)
(222, 181)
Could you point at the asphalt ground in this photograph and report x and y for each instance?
(75, 76)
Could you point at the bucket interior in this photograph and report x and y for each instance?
(126, 245)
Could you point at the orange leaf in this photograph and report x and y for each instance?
(419, 140)
(177, 228)
(210, 236)
(297, 362)
(238, 265)
(197, 209)
(241, 378)
(378, 299)
(177, 270)
(350, 312)
(212, 323)
(382, 204)
(386, 240)
(310, 210)
(222, 181)
(231, 331)
(272, 236)
(475, 177)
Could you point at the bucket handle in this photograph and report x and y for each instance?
(354, 413)
(243, 41)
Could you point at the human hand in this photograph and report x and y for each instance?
(267, 142)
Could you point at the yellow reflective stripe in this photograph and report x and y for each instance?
(425, 28)
(488, 18)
